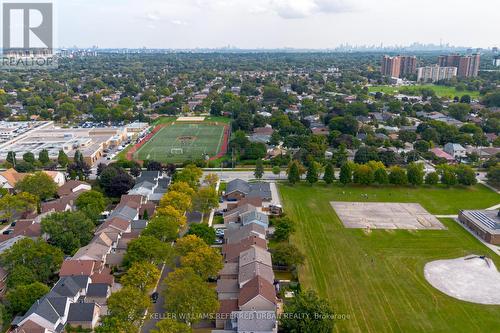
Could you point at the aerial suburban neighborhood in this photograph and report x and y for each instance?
(300, 182)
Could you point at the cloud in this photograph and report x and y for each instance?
(179, 22)
(297, 9)
(333, 6)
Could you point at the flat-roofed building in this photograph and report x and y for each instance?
(435, 73)
(37, 136)
(484, 223)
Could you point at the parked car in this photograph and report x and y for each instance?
(154, 297)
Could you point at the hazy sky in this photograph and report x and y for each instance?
(276, 23)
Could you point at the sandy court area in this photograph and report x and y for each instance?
(385, 215)
(470, 279)
(191, 119)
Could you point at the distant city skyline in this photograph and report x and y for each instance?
(268, 24)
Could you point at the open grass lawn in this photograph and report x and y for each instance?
(441, 91)
(377, 278)
(180, 142)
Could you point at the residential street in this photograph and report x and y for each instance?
(157, 311)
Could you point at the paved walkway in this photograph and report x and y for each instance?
(211, 217)
(276, 199)
(446, 216)
(494, 207)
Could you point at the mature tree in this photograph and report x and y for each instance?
(329, 176)
(142, 276)
(204, 232)
(415, 172)
(164, 228)
(363, 174)
(407, 136)
(465, 99)
(20, 298)
(122, 183)
(20, 275)
(92, 203)
(205, 199)
(493, 175)
(285, 254)
(39, 184)
(186, 293)
(62, 159)
(206, 262)
(294, 172)
(422, 146)
(182, 187)
(135, 170)
(319, 318)
(211, 179)
(284, 227)
(128, 305)
(259, 169)
(100, 169)
(178, 200)
(29, 157)
(169, 211)
(24, 167)
(68, 230)
(432, 178)
(80, 170)
(366, 154)
(346, 173)
(113, 324)
(12, 205)
(115, 181)
(341, 155)
(459, 111)
(191, 174)
(312, 173)
(276, 170)
(492, 99)
(466, 175)
(147, 248)
(448, 175)
(43, 157)
(78, 157)
(397, 176)
(42, 259)
(345, 125)
(380, 176)
(11, 158)
(171, 326)
(154, 166)
(189, 243)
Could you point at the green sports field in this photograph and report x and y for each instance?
(376, 279)
(178, 142)
(441, 91)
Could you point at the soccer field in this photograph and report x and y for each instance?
(180, 142)
(375, 280)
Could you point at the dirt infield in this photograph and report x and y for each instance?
(383, 215)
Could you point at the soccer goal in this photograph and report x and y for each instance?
(176, 151)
